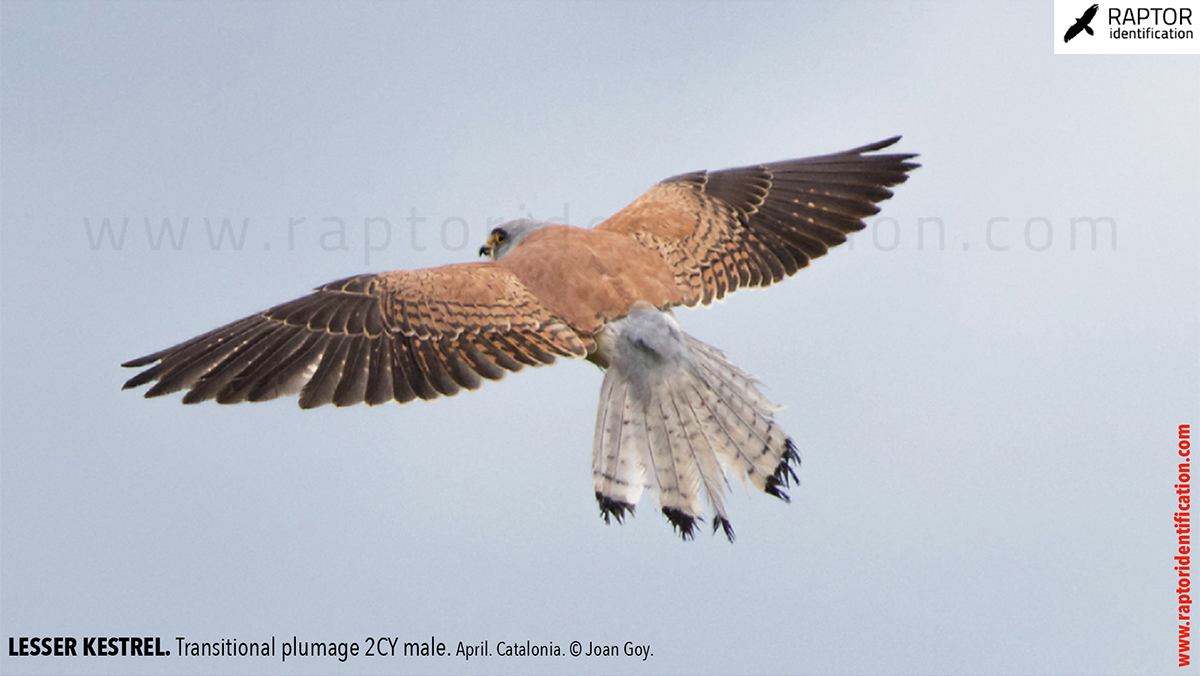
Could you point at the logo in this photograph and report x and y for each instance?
(1126, 27)
(1081, 24)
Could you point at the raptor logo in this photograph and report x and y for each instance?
(1081, 24)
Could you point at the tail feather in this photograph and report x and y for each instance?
(732, 375)
(755, 443)
(701, 452)
(673, 476)
(618, 472)
(675, 416)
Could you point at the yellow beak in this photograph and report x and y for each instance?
(489, 247)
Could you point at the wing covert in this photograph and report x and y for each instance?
(754, 226)
(370, 338)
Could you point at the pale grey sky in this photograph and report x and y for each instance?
(986, 415)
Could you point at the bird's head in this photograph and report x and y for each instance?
(506, 236)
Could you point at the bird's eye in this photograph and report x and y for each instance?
(501, 236)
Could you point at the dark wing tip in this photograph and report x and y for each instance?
(143, 361)
(902, 158)
(147, 376)
(878, 145)
(138, 380)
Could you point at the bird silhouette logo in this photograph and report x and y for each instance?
(1081, 24)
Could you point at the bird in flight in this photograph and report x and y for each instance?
(1081, 24)
(676, 417)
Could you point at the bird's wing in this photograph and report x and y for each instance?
(753, 226)
(374, 338)
(1073, 31)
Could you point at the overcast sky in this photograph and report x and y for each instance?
(986, 404)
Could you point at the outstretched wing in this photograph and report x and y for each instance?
(374, 338)
(753, 226)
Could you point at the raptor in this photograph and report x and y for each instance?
(676, 417)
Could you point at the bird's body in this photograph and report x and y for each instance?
(675, 415)
(590, 277)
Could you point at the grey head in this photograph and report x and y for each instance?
(506, 236)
